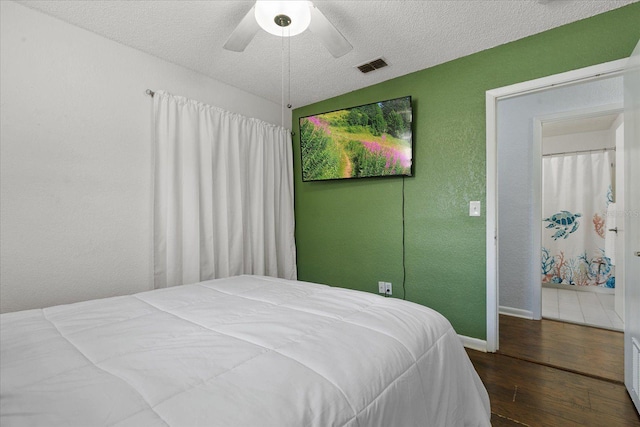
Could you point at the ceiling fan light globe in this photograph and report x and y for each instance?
(297, 11)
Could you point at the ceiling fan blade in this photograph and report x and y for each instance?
(333, 40)
(244, 32)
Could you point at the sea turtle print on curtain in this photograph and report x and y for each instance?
(576, 192)
(564, 222)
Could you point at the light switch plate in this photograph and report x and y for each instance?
(474, 208)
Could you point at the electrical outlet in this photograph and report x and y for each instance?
(382, 287)
(388, 289)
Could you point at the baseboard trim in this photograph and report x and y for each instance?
(516, 312)
(473, 343)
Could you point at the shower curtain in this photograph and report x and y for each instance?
(576, 191)
(223, 194)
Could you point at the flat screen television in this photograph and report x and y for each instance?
(371, 140)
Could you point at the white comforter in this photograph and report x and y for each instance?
(243, 351)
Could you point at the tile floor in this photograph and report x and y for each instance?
(587, 308)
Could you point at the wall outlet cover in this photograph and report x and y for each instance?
(388, 288)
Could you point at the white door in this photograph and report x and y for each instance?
(632, 238)
(619, 222)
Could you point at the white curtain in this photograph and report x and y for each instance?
(576, 190)
(223, 194)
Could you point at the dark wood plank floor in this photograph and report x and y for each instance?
(536, 379)
(576, 348)
(529, 394)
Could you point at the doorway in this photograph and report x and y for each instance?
(515, 117)
(523, 298)
(631, 271)
(581, 152)
(521, 222)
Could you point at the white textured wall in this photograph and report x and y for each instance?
(579, 141)
(75, 152)
(517, 262)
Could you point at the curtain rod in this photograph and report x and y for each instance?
(580, 151)
(151, 93)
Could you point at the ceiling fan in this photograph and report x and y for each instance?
(287, 18)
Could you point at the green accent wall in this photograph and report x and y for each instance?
(349, 232)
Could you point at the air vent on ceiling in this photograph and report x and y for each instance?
(372, 65)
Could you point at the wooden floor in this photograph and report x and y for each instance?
(576, 348)
(526, 390)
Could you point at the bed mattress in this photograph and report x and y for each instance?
(242, 351)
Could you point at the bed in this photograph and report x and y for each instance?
(242, 351)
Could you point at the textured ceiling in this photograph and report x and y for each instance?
(410, 35)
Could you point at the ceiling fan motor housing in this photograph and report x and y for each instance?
(282, 20)
(295, 16)
(273, 16)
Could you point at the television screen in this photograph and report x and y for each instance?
(366, 141)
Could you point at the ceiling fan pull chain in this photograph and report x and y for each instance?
(282, 76)
(289, 74)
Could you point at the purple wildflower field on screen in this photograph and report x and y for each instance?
(393, 155)
(320, 124)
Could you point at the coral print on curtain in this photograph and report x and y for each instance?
(576, 191)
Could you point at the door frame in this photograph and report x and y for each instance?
(595, 72)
